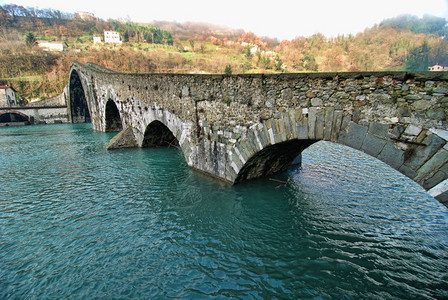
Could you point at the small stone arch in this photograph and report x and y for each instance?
(112, 120)
(158, 134)
(14, 116)
(77, 104)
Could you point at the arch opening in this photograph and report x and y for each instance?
(272, 159)
(79, 111)
(113, 119)
(158, 135)
(12, 117)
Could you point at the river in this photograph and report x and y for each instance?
(78, 221)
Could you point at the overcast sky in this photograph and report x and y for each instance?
(282, 19)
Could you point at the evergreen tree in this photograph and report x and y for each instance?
(30, 39)
(418, 59)
(228, 70)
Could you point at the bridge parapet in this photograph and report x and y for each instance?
(241, 127)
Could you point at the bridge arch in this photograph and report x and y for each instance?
(78, 108)
(158, 134)
(112, 116)
(272, 148)
(14, 116)
(272, 159)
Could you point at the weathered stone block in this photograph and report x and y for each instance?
(355, 136)
(422, 153)
(312, 123)
(441, 91)
(320, 123)
(408, 172)
(337, 121)
(317, 102)
(443, 198)
(404, 112)
(329, 118)
(302, 132)
(346, 122)
(412, 130)
(437, 114)
(392, 156)
(270, 102)
(378, 129)
(432, 165)
(287, 94)
(396, 132)
(421, 105)
(185, 91)
(385, 98)
(373, 145)
(281, 130)
(438, 177)
(413, 98)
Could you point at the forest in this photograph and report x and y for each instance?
(397, 44)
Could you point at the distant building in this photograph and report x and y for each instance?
(7, 96)
(85, 16)
(437, 68)
(112, 37)
(97, 39)
(51, 46)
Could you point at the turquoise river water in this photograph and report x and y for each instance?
(80, 222)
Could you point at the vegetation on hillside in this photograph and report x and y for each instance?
(402, 43)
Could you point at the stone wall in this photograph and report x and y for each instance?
(226, 123)
(42, 115)
(60, 100)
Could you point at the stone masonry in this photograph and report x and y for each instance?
(241, 127)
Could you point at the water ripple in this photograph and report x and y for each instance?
(78, 221)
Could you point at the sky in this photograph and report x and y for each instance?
(281, 19)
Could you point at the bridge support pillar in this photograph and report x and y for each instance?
(124, 139)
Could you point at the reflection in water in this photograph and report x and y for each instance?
(79, 221)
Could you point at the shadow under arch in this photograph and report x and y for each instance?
(112, 117)
(79, 110)
(12, 117)
(158, 134)
(272, 159)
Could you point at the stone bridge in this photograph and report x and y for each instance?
(241, 127)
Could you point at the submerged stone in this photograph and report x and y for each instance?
(124, 139)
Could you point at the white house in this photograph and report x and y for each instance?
(112, 37)
(7, 96)
(51, 46)
(437, 68)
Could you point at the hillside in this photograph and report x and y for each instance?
(402, 43)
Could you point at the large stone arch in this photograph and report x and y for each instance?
(78, 109)
(271, 147)
(272, 159)
(112, 117)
